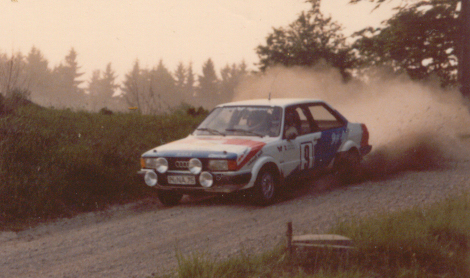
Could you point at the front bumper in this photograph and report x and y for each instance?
(224, 182)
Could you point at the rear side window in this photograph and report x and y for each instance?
(324, 117)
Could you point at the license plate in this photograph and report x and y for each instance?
(181, 180)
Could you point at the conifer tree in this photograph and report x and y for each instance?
(208, 89)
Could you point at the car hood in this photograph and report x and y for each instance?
(240, 148)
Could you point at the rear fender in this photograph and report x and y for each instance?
(349, 145)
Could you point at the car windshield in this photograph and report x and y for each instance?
(242, 120)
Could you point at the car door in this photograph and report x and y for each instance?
(332, 128)
(298, 150)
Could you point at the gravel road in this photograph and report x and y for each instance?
(140, 239)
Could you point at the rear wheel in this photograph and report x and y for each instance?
(264, 190)
(169, 198)
(348, 167)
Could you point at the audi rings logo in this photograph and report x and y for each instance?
(182, 164)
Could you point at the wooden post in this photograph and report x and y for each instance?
(289, 237)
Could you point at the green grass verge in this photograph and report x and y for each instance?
(420, 242)
(57, 163)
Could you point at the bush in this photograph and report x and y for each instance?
(57, 163)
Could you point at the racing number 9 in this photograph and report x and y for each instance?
(306, 156)
(306, 150)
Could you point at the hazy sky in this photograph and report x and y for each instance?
(121, 31)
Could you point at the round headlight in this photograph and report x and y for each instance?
(206, 179)
(195, 166)
(161, 165)
(151, 178)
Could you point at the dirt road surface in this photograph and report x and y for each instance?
(140, 239)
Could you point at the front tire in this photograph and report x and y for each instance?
(265, 188)
(169, 198)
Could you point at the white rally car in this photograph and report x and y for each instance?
(256, 145)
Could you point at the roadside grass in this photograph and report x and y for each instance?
(432, 241)
(56, 163)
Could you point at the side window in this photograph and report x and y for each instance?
(304, 123)
(324, 118)
(297, 121)
(292, 123)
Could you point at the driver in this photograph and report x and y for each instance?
(256, 121)
(291, 125)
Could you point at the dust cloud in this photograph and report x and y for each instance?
(412, 126)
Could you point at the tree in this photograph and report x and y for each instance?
(190, 81)
(94, 89)
(180, 79)
(163, 89)
(184, 83)
(231, 76)
(151, 91)
(12, 74)
(208, 89)
(101, 89)
(421, 39)
(464, 58)
(39, 76)
(109, 86)
(308, 40)
(66, 84)
(134, 89)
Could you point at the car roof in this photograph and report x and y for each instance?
(283, 102)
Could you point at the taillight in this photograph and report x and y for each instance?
(365, 136)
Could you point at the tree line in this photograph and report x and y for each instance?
(151, 91)
(157, 90)
(422, 39)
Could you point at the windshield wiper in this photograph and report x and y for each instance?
(211, 130)
(244, 131)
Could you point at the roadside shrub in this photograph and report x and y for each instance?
(56, 163)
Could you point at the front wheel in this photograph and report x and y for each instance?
(265, 187)
(169, 198)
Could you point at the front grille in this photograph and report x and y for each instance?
(181, 164)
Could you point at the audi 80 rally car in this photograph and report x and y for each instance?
(256, 145)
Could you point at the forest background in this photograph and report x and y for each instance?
(421, 40)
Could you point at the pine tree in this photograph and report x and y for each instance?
(67, 92)
(231, 76)
(133, 88)
(180, 78)
(39, 76)
(94, 89)
(163, 89)
(190, 85)
(109, 87)
(12, 75)
(208, 89)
